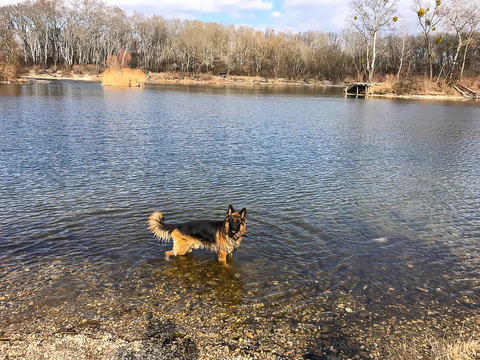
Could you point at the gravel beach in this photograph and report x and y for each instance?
(182, 312)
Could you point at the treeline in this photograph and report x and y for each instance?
(50, 33)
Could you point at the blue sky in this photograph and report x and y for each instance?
(280, 15)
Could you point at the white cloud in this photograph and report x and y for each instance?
(329, 15)
(321, 15)
(8, 2)
(196, 6)
(275, 14)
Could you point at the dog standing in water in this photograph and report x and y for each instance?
(222, 237)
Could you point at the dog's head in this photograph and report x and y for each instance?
(235, 223)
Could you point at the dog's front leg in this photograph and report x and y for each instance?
(222, 258)
(168, 254)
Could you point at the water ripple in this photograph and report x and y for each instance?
(368, 197)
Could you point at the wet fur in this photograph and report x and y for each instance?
(222, 237)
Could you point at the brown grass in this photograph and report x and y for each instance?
(171, 76)
(413, 86)
(460, 348)
(124, 77)
(87, 69)
(204, 77)
(8, 71)
(472, 82)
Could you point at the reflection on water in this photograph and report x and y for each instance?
(355, 203)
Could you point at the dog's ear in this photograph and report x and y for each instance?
(243, 213)
(230, 210)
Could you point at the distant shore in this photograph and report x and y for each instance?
(421, 97)
(207, 79)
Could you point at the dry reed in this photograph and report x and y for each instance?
(8, 71)
(124, 77)
(460, 348)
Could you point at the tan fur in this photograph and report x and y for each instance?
(183, 244)
(222, 246)
(155, 224)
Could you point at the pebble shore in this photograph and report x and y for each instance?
(170, 314)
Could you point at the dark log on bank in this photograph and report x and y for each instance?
(468, 93)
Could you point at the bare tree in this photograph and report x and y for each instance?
(368, 18)
(429, 19)
(9, 51)
(463, 17)
(81, 32)
(401, 48)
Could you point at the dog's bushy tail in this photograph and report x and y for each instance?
(156, 226)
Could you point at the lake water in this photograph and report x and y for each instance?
(366, 205)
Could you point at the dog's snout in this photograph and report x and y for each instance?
(234, 226)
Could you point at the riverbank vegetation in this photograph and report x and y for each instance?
(118, 74)
(53, 35)
(123, 77)
(461, 348)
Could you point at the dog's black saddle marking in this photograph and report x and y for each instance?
(203, 229)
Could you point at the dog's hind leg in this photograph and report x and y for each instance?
(183, 244)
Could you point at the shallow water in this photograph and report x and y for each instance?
(372, 200)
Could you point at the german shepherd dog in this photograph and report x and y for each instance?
(222, 237)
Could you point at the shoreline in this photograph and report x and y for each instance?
(163, 313)
(244, 81)
(421, 97)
